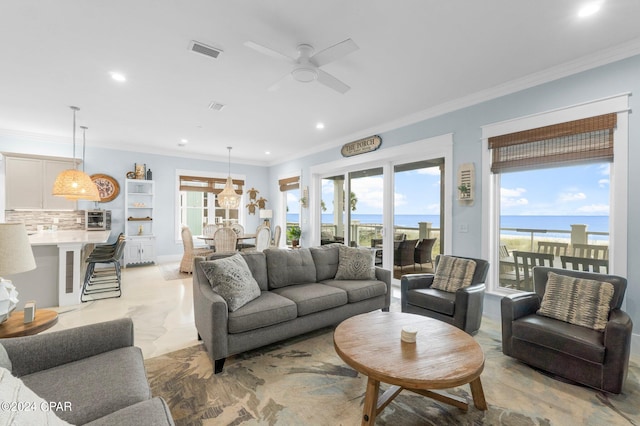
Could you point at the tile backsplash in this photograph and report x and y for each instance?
(67, 220)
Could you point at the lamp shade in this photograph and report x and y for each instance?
(16, 255)
(75, 185)
(266, 214)
(228, 198)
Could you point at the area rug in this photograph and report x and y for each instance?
(303, 382)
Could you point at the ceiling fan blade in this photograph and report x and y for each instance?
(278, 84)
(267, 51)
(332, 82)
(334, 52)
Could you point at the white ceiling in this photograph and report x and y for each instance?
(416, 57)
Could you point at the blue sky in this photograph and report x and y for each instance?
(572, 191)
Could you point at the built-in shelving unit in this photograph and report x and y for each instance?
(138, 217)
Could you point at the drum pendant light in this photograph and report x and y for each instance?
(72, 183)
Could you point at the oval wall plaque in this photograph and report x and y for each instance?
(361, 146)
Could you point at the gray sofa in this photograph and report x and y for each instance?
(93, 372)
(298, 294)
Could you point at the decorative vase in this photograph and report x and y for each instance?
(8, 299)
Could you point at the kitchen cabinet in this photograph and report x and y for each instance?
(29, 181)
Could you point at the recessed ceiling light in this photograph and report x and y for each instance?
(320, 126)
(589, 9)
(183, 142)
(117, 76)
(268, 152)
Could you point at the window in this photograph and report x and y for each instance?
(197, 201)
(290, 188)
(553, 184)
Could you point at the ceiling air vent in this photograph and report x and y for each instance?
(196, 46)
(216, 106)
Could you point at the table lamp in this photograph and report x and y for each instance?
(266, 214)
(16, 256)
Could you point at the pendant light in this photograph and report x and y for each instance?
(92, 193)
(228, 198)
(72, 183)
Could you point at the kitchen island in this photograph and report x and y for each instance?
(58, 277)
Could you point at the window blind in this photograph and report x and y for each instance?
(206, 184)
(588, 139)
(289, 184)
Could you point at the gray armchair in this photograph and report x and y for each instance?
(598, 359)
(462, 308)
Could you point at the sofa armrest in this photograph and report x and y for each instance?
(468, 307)
(512, 307)
(617, 342)
(44, 351)
(385, 276)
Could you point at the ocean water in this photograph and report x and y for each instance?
(555, 223)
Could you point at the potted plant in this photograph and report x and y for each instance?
(294, 233)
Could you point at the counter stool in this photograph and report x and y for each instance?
(104, 280)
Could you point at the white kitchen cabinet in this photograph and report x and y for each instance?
(138, 218)
(29, 182)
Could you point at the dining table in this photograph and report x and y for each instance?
(208, 239)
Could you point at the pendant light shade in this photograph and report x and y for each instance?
(228, 199)
(74, 184)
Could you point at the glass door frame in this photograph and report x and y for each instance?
(435, 147)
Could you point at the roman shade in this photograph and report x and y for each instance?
(289, 184)
(578, 141)
(207, 184)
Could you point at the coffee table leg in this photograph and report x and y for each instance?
(371, 402)
(478, 394)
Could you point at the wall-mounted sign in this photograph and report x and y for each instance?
(361, 146)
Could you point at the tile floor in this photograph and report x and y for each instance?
(162, 311)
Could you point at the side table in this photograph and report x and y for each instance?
(15, 326)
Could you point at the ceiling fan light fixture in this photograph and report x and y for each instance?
(304, 74)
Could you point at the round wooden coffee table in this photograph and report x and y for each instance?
(15, 326)
(442, 357)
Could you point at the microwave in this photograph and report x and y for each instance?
(97, 220)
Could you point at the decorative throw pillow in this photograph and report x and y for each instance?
(355, 264)
(231, 278)
(23, 406)
(577, 301)
(453, 273)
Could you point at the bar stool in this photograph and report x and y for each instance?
(104, 280)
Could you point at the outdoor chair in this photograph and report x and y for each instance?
(458, 306)
(524, 261)
(600, 266)
(403, 255)
(591, 348)
(225, 240)
(557, 249)
(186, 265)
(376, 244)
(423, 251)
(593, 251)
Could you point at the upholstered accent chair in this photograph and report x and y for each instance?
(461, 307)
(593, 357)
(186, 265)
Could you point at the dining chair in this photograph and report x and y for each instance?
(600, 266)
(555, 248)
(186, 265)
(593, 251)
(225, 240)
(277, 233)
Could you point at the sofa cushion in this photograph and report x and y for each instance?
(326, 259)
(359, 290)
(231, 278)
(94, 386)
(266, 310)
(577, 301)
(290, 267)
(432, 299)
(355, 264)
(580, 342)
(311, 298)
(24, 407)
(151, 412)
(453, 273)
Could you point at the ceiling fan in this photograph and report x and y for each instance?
(306, 66)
